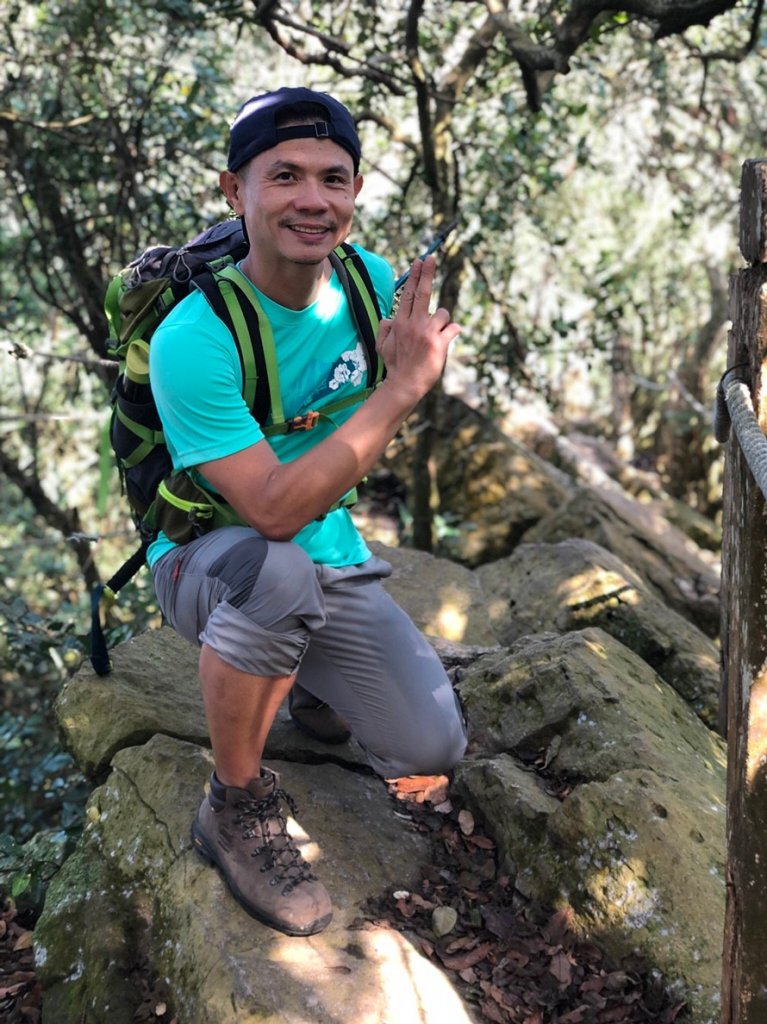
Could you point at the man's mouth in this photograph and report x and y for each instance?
(309, 229)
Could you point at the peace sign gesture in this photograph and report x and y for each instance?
(414, 344)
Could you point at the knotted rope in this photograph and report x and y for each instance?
(733, 407)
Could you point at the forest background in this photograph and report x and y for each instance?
(589, 151)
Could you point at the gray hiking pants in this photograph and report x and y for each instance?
(266, 609)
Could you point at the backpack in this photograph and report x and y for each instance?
(137, 300)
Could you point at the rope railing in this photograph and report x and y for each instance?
(734, 408)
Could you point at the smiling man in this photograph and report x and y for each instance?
(290, 602)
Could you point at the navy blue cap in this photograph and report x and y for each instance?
(254, 129)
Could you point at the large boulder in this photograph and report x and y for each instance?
(606, 795)
(444, 599)
(576, 583)
(491, 487)
(135, 883)
(154, 686)
(680, 573)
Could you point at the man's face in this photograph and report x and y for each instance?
(297, 198)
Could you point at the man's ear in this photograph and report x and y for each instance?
(231, 187)
(358, 180)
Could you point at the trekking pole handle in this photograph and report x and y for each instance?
(436, 242)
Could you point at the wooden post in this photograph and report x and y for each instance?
(744, 637)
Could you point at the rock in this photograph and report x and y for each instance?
(491, 486)
(154, 688)
(223, 967)
(576, 583)
(679, 572)
(597, 781)
(85, 944)
(444, 599)
(606, 794)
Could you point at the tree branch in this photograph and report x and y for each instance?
(67, 522)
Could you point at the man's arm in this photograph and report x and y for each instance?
(279, 499)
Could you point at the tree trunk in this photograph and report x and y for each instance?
(744, 640)
(685, 431)
(622, 410)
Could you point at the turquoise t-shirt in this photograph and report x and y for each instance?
(197, 384)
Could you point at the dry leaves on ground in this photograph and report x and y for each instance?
(515, 963)
(19, 989)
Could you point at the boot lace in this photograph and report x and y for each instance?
(263, 821)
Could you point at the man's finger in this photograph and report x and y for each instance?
(408, 292)
(384, 330)
(422, 295)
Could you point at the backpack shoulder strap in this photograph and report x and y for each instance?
(253, 339)
(239, 308)
(363, 300)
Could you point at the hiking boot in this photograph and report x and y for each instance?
(315, 718)
(245, 834)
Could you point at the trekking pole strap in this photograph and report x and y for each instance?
(107, 592)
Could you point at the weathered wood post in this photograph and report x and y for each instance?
(744, 635)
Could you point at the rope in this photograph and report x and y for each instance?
(734, 407)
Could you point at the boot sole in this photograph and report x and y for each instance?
(208, 855)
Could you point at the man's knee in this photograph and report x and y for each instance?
(433, 750)
(270, 605)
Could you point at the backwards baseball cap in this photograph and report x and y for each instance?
(254, 129)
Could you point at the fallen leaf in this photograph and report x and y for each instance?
(483, 842)
(469, 975)
(559, 925)
(612, 1015)
(443, 920)
(561, 968)
(406, 908)
(469, 958)
(593, 984)
(444, 808)
(500, 921)
(492, 1011)
(418, 788)
(24, 941)
(419, 901)
(493, 991)
(11, 990)
(574, 1016)
(466, 822)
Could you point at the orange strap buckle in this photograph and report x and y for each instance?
(306, 422)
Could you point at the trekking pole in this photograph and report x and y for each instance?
(436, 242)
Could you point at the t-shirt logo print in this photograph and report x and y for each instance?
(350, 369)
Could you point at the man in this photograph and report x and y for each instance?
(295, 593)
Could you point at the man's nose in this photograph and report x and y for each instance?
(311, 195)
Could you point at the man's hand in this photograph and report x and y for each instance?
(414, 344)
